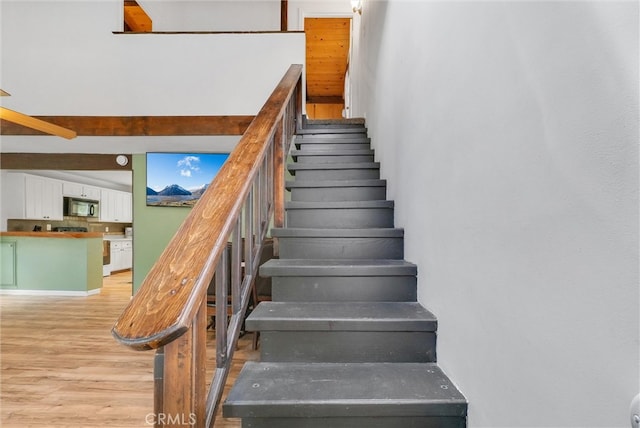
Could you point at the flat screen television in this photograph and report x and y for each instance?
(180, 179)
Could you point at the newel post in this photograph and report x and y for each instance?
(180, 377)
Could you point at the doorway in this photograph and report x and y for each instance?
(327, 63)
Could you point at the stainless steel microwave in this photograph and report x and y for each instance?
(81, 207)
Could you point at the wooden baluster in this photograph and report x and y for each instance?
(184, 387)
(200, 363)
(257, 216)
(222, 280)
(158, 384)
(278, 176)
(279, 161)
(299, 105)
(248, 237)
(236, 267)
(264, 197)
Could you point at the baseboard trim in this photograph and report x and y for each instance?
(59, 293)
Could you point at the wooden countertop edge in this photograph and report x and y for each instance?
(67, 235)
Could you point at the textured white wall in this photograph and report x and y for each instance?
(236, 15)
(516, 124)
(213, 15)
(61, 57)
(299, 9)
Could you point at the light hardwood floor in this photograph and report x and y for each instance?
(62, 368)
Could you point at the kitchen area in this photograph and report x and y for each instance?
(61, 237)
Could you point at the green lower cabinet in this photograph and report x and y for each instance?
(8, 260)
(41, 265)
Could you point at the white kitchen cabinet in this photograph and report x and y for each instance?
(115, 206)
(43, 198)
(11, 197)
(121, 255)
(127, 254)
(80, 190)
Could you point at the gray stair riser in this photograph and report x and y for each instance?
(341, 247)
(344, 267)
(344, 289)
(338, 174)
(309, 126)
(357, 422)
(333, 146)
(346, 346)
(340, 217)
(332, 123)
(321, 158)
(333, 132)
(328, 194)
(324, 125)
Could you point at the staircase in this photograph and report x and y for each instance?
(344, 342)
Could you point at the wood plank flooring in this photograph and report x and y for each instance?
(62, 368)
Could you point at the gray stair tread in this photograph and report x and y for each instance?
(338, 267)
(338, 204)
(330, 138)
(329, 147)
(343, 389)
(336, 183)
(302, 139)
(340, 122)
(329, 166)
(336, 152)
(295, 232)
(333, 131)
(341, 316)
(338, 126)
(330, 144)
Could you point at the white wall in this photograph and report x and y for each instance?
(236, 15)
(517, 125)
(299, 9)
(60, 57)
(213, 15)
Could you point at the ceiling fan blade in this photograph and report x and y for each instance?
(32, 122)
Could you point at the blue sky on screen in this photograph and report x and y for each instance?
(188, 170)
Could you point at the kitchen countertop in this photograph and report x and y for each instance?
(117, 238)
(54, 234)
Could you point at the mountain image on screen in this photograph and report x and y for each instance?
(179, 179)
(174, 190)
(199, 191)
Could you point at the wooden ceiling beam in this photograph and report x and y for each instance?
(63, 161)
(137, 19)
(138, 126)
(30, 122)
(284, 15)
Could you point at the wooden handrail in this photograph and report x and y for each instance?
(168, 313)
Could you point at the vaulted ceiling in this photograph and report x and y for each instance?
(327, 53)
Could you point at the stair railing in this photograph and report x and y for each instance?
(169, 312)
